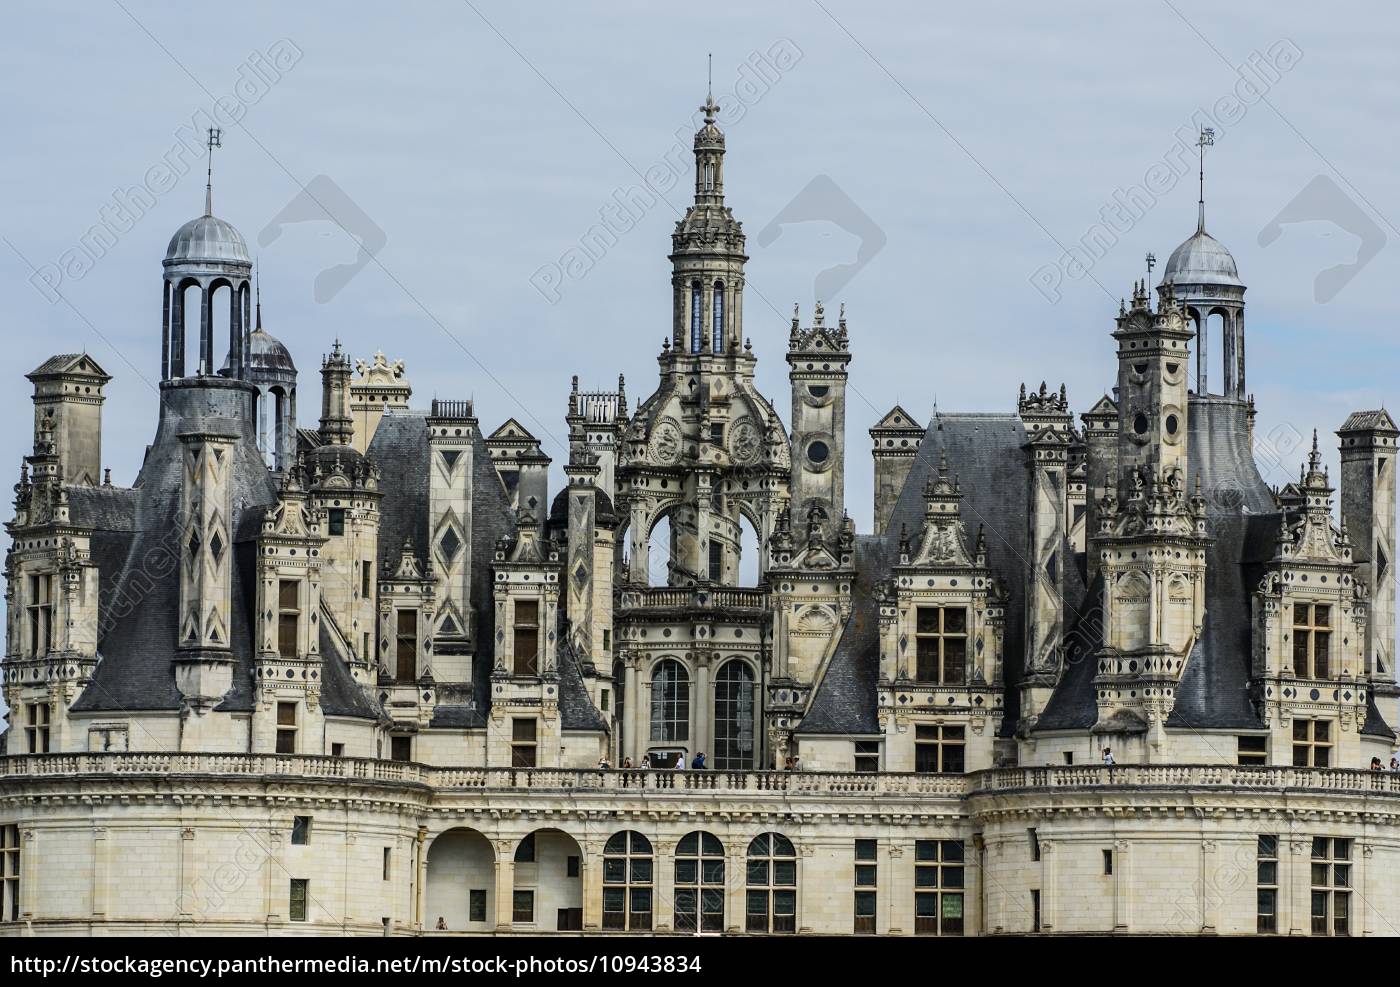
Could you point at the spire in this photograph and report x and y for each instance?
(1206, 139)
(257, 291)
(215, 140)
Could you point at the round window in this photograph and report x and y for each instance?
(1172, 424)
(1140, 424)
(817, 452)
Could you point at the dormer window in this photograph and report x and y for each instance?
(527, 637)
(40, 615)
(940, 645)
(1312, 637)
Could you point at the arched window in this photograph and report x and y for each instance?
(734, 717)
(699, 897)
(627, 882)
(717, 318)
(696, 330)
(670, 702)
(772, 885)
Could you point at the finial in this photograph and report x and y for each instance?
(215, 140)
(257, 291)
(1151, 263)
(1206, 139)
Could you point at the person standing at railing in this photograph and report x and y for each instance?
(626, 764)
(1376, 764)
(699, 763)
(680, 761)
(1108, 757)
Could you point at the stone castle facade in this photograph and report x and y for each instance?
(377, 677)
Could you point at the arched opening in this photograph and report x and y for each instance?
(699, 887)
(548, 888)
(660, 552)
(771, 885)
(461, 884)
(696, 329)
(670, 707)
(717, 318)
(736, 710)
(222, 303)
(1213, 341)
(751, 565)
(627, 882)
(184, 323)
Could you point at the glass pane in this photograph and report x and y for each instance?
(641, 871)
(1319, 847)
(711, 844)
(1341, 875)
(689, 845)
(712, 901)
(952, 877)
(617, 843)
(866, 849)
(712, 871)
(955, 621)
(640, 844)
(686, 871)
(641, 900)
(1341, 849)
(926, 905)
(1319, 875)
(1268, 872)
(865, 904)
(926, 877)
(925, 850)
(758, 872)
(1268, 846)
(784, 902)
(782, 846)
(759, 846)
(785, 873)
(758, 903)
(614, 899)
(952, 850)
(1322, 615)
(615, 870)
(926, 620)
(865, 875)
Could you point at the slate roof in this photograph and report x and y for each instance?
(400, 450)
(984, 452)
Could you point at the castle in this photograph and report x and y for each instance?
(375, 677)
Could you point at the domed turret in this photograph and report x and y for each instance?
(1201, 276)
(210, 255)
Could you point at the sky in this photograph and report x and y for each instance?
(979, 186)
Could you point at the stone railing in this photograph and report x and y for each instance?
(685, 782)
(730, 598)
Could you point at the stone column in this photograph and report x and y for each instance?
(420, 875)
(505, 884)
(630, 741)
(1369, 892)
(591, 865)
(29, 874)
(1299, 885)
(735, 882)
(1210, 889)
(101, 872)
(1122, 886)
(1047, 885)
(663, 884)
(272, 870)
(700, 704)
(804, 850)
(897, 885)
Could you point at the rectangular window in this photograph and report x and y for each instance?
(301, 892)
(523, 743)
(406, 663)
(939, 749)
(716, 561)
(1312, 638)
(572, 866)
(476, 905)
(940, 645)
(867, 756)
(401, 749)
(288, 617)
(607, 639)
(337, 521)
(286, 728)
(1069, 757)
(1034, 840)
(1253, 750)
(1267, 921)
(1108, 863)
(388, 862)
(337, 750)
(867, 868)
(522, 907)
(527, 637)
(605, 700)
(366, 578)
(1312, 743)
(569, 920)
(939, 879)
(364, 647)
(301, 830)
(1035, 911)
(1331, 886)
(37, 727)
(40, 615)
(9, 873)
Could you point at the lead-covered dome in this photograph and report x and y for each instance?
(266, 352)
(207, 240)
(1201, 260)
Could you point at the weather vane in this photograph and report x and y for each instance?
(1206, 139)
(1151, 263)
(215, 140)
